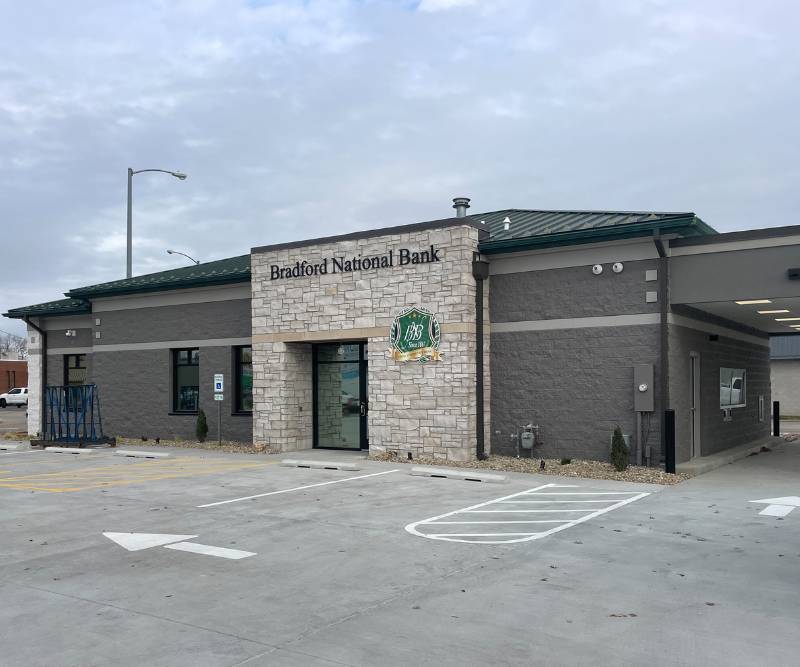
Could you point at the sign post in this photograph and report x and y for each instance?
(219, 387)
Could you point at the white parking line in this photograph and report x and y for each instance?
(621, 498)
(298, 488)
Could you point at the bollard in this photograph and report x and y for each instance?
(669, 441)
(776, 418)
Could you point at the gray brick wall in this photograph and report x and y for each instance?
(571, 292)
(786, 385)
(136, 395)
(577, 384)
(717, 434)
(215, 319)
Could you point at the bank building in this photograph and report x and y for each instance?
(447, 338)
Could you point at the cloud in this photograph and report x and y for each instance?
(301, 118)
(444, 5)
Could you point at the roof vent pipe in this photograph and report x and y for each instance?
(461, 204)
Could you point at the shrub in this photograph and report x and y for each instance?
(566, 462)
(201, 431)
(619, 451)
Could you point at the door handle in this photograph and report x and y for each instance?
(363, 409)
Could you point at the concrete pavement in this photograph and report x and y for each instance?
(687, 575)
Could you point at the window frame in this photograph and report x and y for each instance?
(174, 365)
(734, 374)
(237, 408)
(78, 356)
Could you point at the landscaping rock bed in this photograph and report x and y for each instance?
(576, 468)
(210, 445)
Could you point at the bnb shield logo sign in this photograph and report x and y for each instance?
(415, 336)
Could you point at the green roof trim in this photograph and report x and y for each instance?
(541, 229)
(219, 272)
(51, 308)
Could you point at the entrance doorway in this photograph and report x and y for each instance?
(340, 396)
(694, 403)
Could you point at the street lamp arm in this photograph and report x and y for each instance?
(176, 174)
(175, 252)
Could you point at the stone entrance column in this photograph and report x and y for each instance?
(351, 288)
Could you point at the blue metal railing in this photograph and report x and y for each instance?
(73, 414)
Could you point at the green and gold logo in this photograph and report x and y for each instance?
(415, 336)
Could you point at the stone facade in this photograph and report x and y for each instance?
(34, 381)
(426, 409)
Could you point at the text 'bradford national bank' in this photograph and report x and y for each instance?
(403, 257)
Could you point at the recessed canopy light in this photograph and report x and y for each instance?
(787, 319)
(771, 312)
(753, 302)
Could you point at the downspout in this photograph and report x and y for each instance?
(480, 271)
(663, 297)
(43, 380)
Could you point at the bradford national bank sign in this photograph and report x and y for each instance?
(389, 260)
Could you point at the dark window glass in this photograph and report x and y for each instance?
(75, 372)
(186, 373)
(343, 352)
(244, 379)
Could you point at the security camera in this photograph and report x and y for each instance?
(617, 267)
(597, 269)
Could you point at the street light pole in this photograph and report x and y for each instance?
(129, 265)
(177, 174)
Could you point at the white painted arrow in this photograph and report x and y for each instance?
(778, 506)
(139, 541)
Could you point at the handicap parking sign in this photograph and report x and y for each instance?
(218, 383)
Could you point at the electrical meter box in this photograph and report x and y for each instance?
(526, 439)
(643, 390)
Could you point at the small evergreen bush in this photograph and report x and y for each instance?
(566, 462)
(201, 431)
(620, 453)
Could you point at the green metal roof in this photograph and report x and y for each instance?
(527, 229)
(220, 272)
(534, 228)
(51, 308)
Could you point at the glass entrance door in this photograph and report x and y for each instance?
(340, 396)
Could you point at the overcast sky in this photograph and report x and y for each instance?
(303, 119)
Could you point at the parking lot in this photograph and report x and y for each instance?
(13, 419)
(221, 559)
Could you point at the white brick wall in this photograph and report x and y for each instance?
(423, 408)
(34, 382)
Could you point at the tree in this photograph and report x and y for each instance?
(620, 454)
(201, 431)
(13, 346)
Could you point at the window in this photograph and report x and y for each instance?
(15, 391)
(732, 388)
(243, 372)
(75, 373)
(186, 377)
